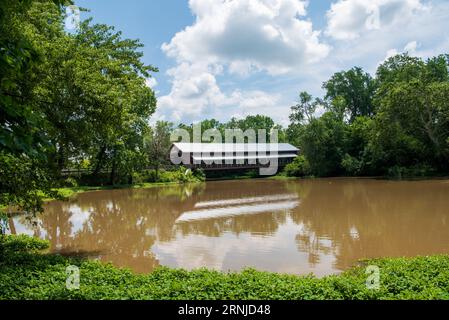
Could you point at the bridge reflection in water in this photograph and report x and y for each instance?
(233, 207)
(321, 226)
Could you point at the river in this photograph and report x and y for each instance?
(319, 226)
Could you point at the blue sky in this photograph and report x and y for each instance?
(237, 57)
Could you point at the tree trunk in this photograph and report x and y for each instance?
(61, 158)
(114, 167)
(2, 248)
(100, 159)
(12, 227)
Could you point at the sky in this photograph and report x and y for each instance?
(232, 58)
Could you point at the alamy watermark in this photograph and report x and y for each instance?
(72, 281)
(373, 279)
(373, 20)
(72, 20)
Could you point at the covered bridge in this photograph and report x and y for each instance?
(228, 156)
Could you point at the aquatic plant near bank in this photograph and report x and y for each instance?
(180, 175)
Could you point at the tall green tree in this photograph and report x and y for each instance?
(322, 142)
(24, 144)
(93, 81)
(20, 124)
(302, 112)
(395, 122)
(356, 87)
(158, 145)
(413, 119)
(65, 97)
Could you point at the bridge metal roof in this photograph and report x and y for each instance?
(234, 147)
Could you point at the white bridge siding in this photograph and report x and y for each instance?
(229, 156)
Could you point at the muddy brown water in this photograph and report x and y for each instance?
(320, 226)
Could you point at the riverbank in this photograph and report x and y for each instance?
(28, 273)
(69, 192)
(66, 193)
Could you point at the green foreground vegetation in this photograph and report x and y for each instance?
(25, 273)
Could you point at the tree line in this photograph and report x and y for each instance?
(395, 123)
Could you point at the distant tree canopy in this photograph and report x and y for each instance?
(394, 124)
(356, 88)
(251, 122)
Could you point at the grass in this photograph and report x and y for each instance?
(27, 273)
(69, 192)
(283, 177)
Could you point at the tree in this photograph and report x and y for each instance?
(66, 97)
(356, 160)
(99, 89)
(24, 144)
(214, 125)
(159, 145)
(255, 123)
(301, 113)
(304, 110)
(413, 119)
(20, 130)
(356, 87)
(93, 81)
(396, 122)
(322, 142)
(299, 167)
(210, 124)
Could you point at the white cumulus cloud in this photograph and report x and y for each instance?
(253, 56)
(265, 35)
(236, 38)
(196, 94)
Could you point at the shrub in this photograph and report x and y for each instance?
(399, 172)
(144, 176)
(23, 243)
(351, 165)
(70, 182)
(299, 167)
(181, 175)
